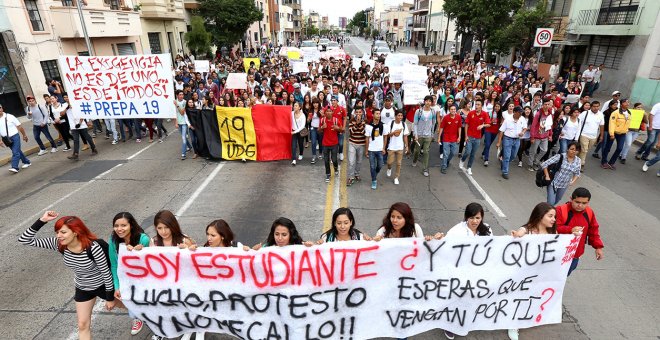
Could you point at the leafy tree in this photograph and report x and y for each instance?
(521, 31)
(198, 39)
(481, 18)
(228, 20)
(359, 21)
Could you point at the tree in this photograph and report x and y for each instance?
(198, 39)
(227, 20)
(521, 30)
(359, 21)
(481, 18)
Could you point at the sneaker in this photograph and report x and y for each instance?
(95, 152)
(25, 166)
(313, 159)
(531, 168)
(513, 334)
(114, 142)
(327, 178)
(136, 327)
(183, 157)
(160, 140)
(461, 165)
(336, 172)
(396, 181)
(443, 170)
(623, 161)
(442, 156)
(107, 137)
(638, 156)
(14, 170)
(94, 134)
(156, 337)
(138, 140)
(485, 163)
(389, 172)
(42, 152)
(605, 166)
(426, 173)
(300, 157)
(321, 156)
(341, 156)
(53, 150)
(520, 164)
(414, 164)
(645, 167)
(374, 185)
(469, 171)
(505, 176)
(595, 155)
(66, 149)
(293, 162)
(73, 157)
(349, 182)
(449, 335)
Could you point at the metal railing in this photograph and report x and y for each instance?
(626, 15)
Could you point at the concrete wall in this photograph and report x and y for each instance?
(162, 26)
(623, 78)
(645, 26)
(646, 88)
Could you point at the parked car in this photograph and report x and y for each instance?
(323, 44)
(378, 43)
(381, 50)
(333, 45)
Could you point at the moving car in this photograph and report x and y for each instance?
(308, 45)
(323, 44)
(381, 50)
(378, 43)
(333, 45)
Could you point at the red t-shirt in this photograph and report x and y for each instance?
(450, 128)
(475, 119)
(369, 115)
(494, 124)
(338, 112)
(410, 112)
(330, 136)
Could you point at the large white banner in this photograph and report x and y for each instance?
(116, 87)
(413, 94)
(350, 290)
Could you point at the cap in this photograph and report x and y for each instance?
(29, 97)
(296, 86)
(375, 84)
(518, 109)
(334, 98)
(615, 93)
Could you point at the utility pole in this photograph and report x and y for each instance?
(444, 45)
(84, 28)
(428, 25)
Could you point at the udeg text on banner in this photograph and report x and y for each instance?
(350, 290)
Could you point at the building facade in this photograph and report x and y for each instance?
(343, 21)
(163, 26)
(34, 33)
(393, 22)
(259, 33)
(274, 21)
(293, 34)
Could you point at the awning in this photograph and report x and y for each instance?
(570, 42)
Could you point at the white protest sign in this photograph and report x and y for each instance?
(543, 37)
(572, 98)
(116, 87)
(355, 289)
(299, 66)
(202, 66)
(311, 55)
(400, 59)
(237, 81)
(533, 90)
(413, 94)
(396, 74)
(414, 74)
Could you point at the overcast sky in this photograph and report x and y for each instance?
(342, 8)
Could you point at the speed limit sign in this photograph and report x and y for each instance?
(543, 37)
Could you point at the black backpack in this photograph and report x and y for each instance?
(105, 247)
(552, 171)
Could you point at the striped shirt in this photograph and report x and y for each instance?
(89, 275)
(357, 132)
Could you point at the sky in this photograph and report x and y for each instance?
(341, 8)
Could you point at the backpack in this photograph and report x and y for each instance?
(104, 247)
(552, 171)
(587, 213)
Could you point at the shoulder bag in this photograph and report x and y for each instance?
(5, 139)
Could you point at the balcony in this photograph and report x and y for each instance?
(101, 22)
(162, 9)
(191, 4)
(421, 6)
(607, 21)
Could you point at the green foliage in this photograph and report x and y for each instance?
(359, 21)
(521, 30)
(228, 20)
(482, 18)
(198, 39)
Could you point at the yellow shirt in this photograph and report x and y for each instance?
(619, 122)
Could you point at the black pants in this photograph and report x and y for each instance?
(327, 152)
(63, 129)
(85, 137)
(524, 146)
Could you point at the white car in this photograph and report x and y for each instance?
(333, 45)
(308, 45)
(377, 44)
(323, 43)
(382, 50)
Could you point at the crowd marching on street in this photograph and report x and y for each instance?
(341, 113)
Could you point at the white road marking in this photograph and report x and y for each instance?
(199, 190)
(483, 193)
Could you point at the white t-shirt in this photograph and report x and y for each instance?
(375, 144)
(512, 128)
(592, 123)
(418, 231)
(10, 126)
(571, 129)
(462, 230)
(387, 115)
(396, 142)
(655, 112)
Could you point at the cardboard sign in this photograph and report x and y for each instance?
(119, 87)
(636, 117)
(298, 66)
(413, 94)
(247, 61)
(237, 133)
(202, 66)
(237, 81)
(352, 290)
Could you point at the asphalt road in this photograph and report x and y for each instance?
(615, 298)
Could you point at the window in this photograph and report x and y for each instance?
(561, 8)
(84, 54)
(154, 42)
(608, 50)
(50, 70)
(67, 3)
(395, 22)
(256, 36)
(33, 13)
(618, 12)
(114, 4)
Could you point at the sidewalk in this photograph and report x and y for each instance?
(31, 147)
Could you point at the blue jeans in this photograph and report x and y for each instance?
(488, 141)
(563, 145)
(376, 163)
(555, 194)
(16, 152)
(37, 131)
(620, 140)
(341, 143)
(574, 265)
(509, 152)
(137, 126)
(316, 138)
(110, 126)
(652, 139)
(471, 149)
(185, 144)
(123, 124)
(449, 150)
(630, 138)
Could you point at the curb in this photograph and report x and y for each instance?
(27, 152)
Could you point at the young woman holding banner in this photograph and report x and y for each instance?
(343, 228)
(282, 233)
(125, 229)
(82, 254)
(168, 232)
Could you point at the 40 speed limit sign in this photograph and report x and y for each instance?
(543, 37)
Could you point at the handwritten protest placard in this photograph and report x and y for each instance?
(413, 94)
(298, 66)
(236, 81)
(251, 61)
(350, 290)
(414, 74)
(400, 59)
(293, 54)
(311, 56)
(237, 133)
(202, 66)
(136, 86)
(636, 117)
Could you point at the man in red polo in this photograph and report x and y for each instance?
(476, 120)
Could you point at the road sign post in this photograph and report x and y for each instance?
(543, 38)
